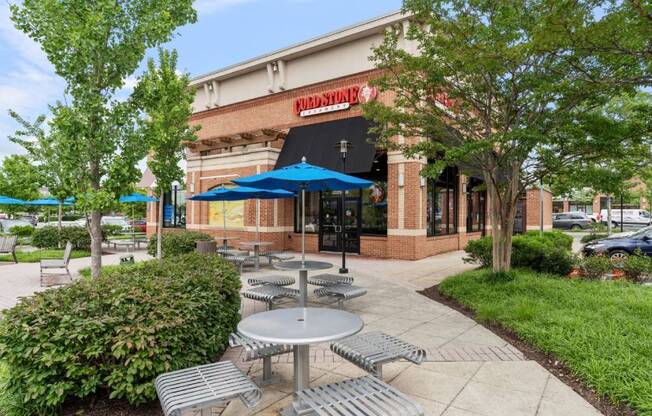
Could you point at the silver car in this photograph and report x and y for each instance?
(571, 220)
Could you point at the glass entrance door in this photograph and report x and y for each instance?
(329, 228)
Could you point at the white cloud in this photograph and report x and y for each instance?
(205, 7)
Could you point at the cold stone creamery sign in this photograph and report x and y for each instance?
(334, 100)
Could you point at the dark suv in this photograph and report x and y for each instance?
(571, 220)
(621, 246)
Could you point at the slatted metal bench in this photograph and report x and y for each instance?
(8, 246)
(371, 350)
(277, 280)
(240, 258)
(341, 292)
(363, 396)
(328, 279)
(255, 350)
(270, 294)
(277, 255)
(202, 387)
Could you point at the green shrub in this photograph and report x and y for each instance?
(46, 237)
(175, 243)
(479, 252)
(109, 230)
(50, 237)
(637, 267)
(115, 334)
(550, 252)
(22, 230)
(592, 237)
(595, 267)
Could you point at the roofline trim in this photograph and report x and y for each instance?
(356, 30)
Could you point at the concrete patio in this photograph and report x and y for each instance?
(470, 371)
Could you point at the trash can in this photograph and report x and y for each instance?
(206, 247)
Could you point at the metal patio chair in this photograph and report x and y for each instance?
(57, 267)
(357, 397)
(371, 350)
(340, 292)
(8, 246)
(276, 280)
(270, 294)
(255, 350)
(329, 279)
(202, 387)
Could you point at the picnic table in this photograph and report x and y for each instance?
(303, 267)
(225, 241)
(300, 327)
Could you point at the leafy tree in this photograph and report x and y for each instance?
(44, 149)
(625, 123)
(167, 101)
(19, 179)
(94, 46)
(489, 85)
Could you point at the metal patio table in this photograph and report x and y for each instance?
(300, 327)
(256, 245)
(303, 267)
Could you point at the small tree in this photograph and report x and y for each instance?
(44, 149)
(94, 46)
(166, 99)
(19, 178)
(488, 87)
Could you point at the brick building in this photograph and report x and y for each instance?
(272, 110)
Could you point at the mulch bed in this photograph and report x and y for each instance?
(548, 361)
(105, 407)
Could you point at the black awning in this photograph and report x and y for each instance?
(317, 143)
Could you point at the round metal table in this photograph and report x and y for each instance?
(256, 245)
(303, 267)
(300, 327)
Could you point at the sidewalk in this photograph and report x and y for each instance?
(23, 279)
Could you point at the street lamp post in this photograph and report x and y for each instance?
(344, 146)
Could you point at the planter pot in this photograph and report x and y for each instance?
(206, 247)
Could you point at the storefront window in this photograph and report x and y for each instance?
(476, 205)
(374, 209)
(441, 205)
(174, 208)
(312, 212)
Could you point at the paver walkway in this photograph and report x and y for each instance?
(23, 279)
(470, 371)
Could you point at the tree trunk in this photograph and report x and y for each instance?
(503, 213)
(60, 216)
(159, 228)
(96, 243)
(609, 217)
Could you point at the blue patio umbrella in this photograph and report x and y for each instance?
(135, 198)
(240, 193)
(50, 202)
(5, 200)
(304, 177)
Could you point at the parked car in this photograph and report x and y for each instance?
(120, 221)
(620, 246)
(636, 217)
(571, 220)
(139, 225)
(7, 225)
(32, 219)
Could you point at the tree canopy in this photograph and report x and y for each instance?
(496, 88)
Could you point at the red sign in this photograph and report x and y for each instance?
(334, 100)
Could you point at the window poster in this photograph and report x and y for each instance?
(234, 213)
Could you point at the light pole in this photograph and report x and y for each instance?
(344, 146)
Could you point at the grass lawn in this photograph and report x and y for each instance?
(601, 330)
(37, 255)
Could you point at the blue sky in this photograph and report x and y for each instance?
(227, 32)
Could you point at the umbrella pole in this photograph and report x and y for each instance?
(257, 217)
(303, 226)
(224, 219)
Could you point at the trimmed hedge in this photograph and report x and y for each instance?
(177, 242)
(115, 334)
(50, 237)
(22, 230)
(550, 252)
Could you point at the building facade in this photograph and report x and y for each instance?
(273, 110)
